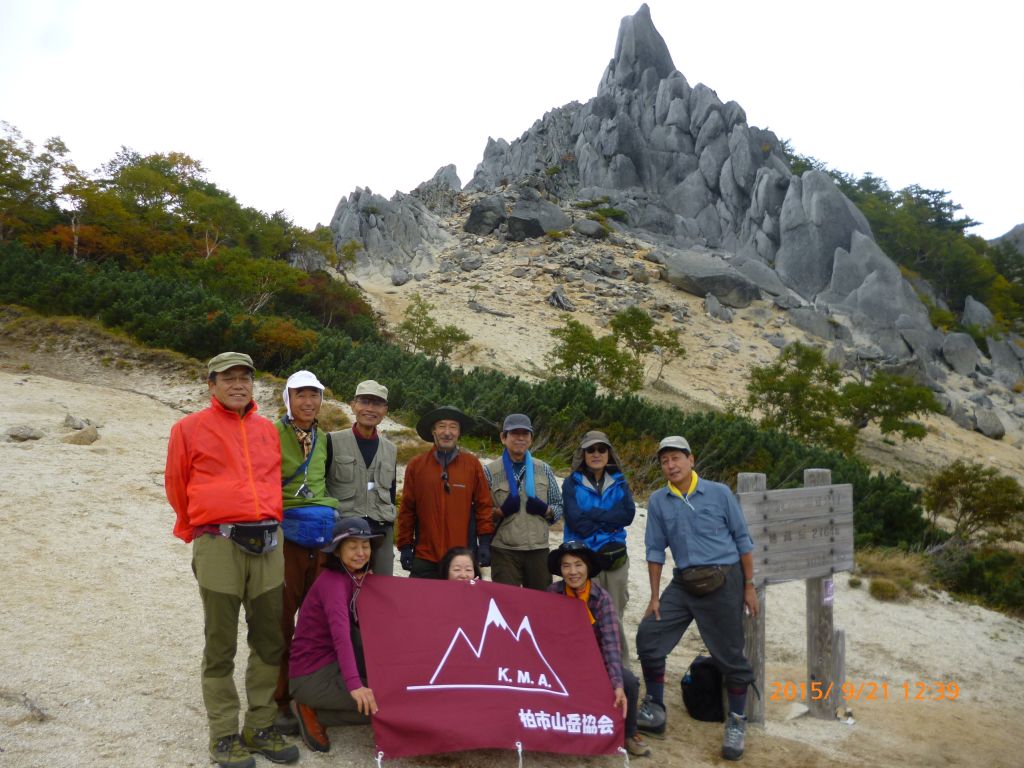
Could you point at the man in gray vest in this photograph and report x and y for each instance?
(527, 501)
(362, 472)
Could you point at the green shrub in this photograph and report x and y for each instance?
(992, 574)
(885, 590)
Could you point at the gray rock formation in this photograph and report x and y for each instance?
(22, 433)
(441, 193)
(1014, 238)
(961, 353)
(987, 422)
(535, 218)
(590, 228)
(715, 309)
(702, 273)
(976, 314)
(396, 233)
(486, 215)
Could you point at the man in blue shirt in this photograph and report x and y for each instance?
(701, 522)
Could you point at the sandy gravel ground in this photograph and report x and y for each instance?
(101, 629)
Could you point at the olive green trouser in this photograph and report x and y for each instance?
(228, 578)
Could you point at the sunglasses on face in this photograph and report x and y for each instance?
(599, 448)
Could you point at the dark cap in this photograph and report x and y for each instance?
(226, 360)
(595, 562)
(517, 421)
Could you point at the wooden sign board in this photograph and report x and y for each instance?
(800, 533)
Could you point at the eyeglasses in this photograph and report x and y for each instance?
(444, 479)
(599, 448)
(374, 401)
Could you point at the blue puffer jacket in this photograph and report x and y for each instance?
(597, 518)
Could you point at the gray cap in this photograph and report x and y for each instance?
(373, 389)
(593, 437)
(517, 421)
(226, 360)
(674, 442)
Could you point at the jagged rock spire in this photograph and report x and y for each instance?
(639, 47)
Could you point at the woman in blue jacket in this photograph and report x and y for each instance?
(598, 507)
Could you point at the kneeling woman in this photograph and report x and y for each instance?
(577, 564)
(326, 669)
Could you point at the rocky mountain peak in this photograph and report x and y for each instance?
(724, 216)
(639, 47)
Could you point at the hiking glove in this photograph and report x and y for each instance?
(536, 507)
(483, 551)
(509, 506)
(405, 556)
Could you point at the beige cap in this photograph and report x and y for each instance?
(373, 389)
(226, 360)
(674, 442)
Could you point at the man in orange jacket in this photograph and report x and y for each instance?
(223, 479)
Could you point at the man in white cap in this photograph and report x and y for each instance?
(713, 579)
(223, 480)
(363, 471)
(527, 501)
(309, 512)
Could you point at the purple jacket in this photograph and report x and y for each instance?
(322, 633)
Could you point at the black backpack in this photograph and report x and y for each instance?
(702, 691)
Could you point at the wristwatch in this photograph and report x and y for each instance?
(750, 582)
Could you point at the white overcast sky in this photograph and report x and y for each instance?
(292, 105)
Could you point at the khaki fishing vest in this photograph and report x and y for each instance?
(348, 477)
(522, 531)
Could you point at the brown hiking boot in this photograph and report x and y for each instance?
(637, 747)
(313, 734)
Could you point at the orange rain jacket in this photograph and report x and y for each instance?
(223, 468)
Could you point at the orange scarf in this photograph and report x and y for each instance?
(584, 595)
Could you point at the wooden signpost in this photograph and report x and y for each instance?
(800, 533)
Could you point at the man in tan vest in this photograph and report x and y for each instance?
(527, 501)
(362, 471)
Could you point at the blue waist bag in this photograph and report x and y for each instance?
(308, 526)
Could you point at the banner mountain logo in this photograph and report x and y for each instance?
(485, 665)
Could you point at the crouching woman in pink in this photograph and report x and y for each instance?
(326, 668)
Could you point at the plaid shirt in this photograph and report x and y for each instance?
(606, 628)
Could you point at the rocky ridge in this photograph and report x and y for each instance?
(654, 183)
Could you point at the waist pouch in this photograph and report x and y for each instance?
(254, 538)
(702, 580)
(614, 554)
(308, 526)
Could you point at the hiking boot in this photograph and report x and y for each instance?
(650, 717)
(227, 752)
(637, 747)
(269, 743)
(313, 734)
(732, 744)
(286, 722)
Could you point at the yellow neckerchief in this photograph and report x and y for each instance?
(584, 595)
(693, 487)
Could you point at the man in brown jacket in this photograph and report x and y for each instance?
(446, 501)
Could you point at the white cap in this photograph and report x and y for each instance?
(298, 380)
(372, 388)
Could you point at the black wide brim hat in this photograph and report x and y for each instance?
(353, 528)
(425, 426)
(595, 562)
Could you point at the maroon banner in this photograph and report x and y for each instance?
(476, 665)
